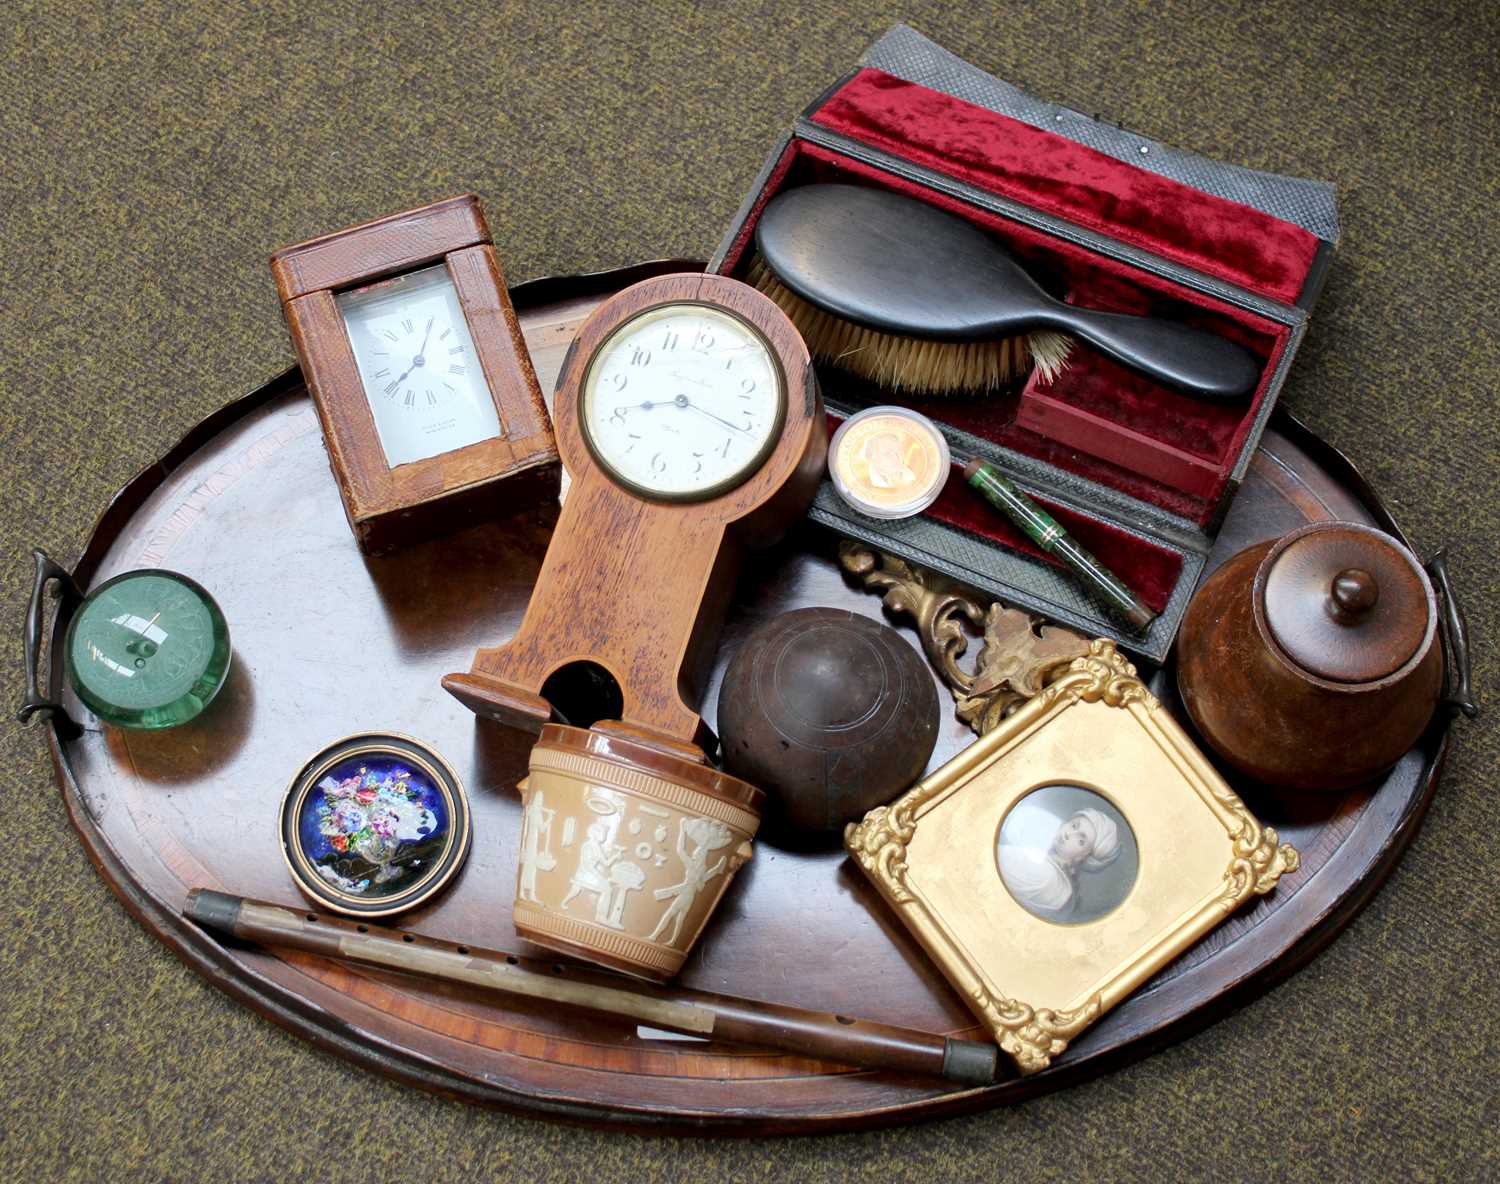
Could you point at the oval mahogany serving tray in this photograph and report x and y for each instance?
(327, 643)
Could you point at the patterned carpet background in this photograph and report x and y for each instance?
(150, 157)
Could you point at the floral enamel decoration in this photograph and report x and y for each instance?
(374, 824)
(372, 815)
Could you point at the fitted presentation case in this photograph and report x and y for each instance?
(1140, 474)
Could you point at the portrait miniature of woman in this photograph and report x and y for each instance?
(1046, 882)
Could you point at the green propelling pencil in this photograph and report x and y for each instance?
(1042, 529)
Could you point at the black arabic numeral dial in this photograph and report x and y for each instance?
(700, 412)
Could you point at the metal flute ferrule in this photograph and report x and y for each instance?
(1042, 529)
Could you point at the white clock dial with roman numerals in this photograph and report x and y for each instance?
(422, 379)
(682, 402)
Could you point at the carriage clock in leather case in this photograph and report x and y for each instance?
(412, 354)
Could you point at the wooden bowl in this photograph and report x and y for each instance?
(830, 713)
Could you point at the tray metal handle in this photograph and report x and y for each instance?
(1459, 694)
(68, 597)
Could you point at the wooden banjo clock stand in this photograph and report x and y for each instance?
(689, 419)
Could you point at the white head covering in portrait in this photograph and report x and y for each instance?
(1106, 839)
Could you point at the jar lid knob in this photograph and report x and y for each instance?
(1345, 602)
(1353, 594)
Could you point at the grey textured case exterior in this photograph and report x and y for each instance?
(1016, 578)
(907, 54)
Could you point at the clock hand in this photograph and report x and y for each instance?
(683, 401)
(419, 360)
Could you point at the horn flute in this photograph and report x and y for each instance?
(819, 1035)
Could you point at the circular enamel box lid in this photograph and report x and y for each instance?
(888, 462)
(148, 649)
(374, 824)
(1347, 603)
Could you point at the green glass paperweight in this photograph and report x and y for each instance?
(147, 649)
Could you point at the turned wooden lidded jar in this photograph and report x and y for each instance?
(1313, 660)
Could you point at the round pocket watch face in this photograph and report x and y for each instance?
(682, 402)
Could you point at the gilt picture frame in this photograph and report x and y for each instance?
(1067, 856)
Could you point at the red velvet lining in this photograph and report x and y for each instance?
(1052, 173)
(1064, 422)
(1150, 570)
(1098, 387)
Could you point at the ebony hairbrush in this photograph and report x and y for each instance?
(919, 299)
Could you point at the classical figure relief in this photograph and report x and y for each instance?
(706, 836)
(624, 879)
(601, 872)
(536, 845)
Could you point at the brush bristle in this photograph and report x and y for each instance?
(912, 364)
